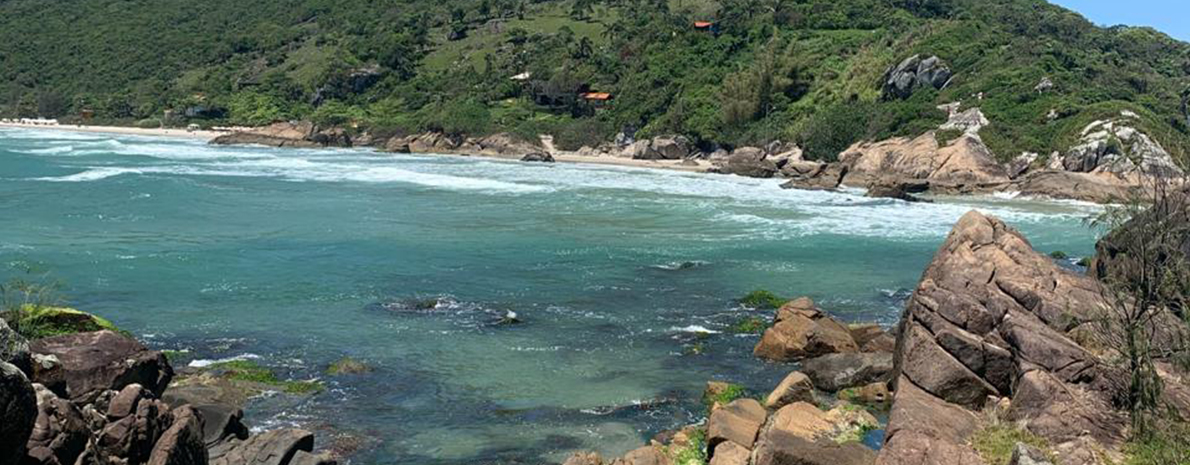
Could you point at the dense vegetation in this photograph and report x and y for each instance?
(803, 70)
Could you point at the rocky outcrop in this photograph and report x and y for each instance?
(802, 330)
(299, 134)
(965, 165)
(14, 348)
(1089, 187)
(915, 72)
(18, 409)
(749, 162)
(495, 145)
(814, 175)
(1116, 147)
(991, 318)
(277, 447)
(99, 361)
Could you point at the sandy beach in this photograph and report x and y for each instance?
(157, 132)
(559, 155)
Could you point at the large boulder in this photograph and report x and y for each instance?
(814, 175)
(737, 422)
(925, 430)
(182, 443)
(18, 409)
(671, 147)
(802, 330)
(844, 423)
(749, 162)
(647, 455)
(222, 416)
(963, 166)
(103, 360)
(834, 372)
(914, 73)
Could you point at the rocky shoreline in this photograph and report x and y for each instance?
(1111, 162)
(996, 339)
(99, 397)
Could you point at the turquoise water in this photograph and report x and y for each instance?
(301, 257)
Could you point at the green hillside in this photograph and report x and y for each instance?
(796, 70)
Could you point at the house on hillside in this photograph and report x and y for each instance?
(596, 99)
(707, 26)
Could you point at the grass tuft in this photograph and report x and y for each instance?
(995, 442)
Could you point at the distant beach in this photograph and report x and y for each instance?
(160, 132)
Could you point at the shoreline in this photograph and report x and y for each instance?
(206, 135)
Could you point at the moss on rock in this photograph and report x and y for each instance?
(37, 322)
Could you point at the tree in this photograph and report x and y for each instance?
(582, 9)
(1186, 105)
(749, 93)
(1144, 266)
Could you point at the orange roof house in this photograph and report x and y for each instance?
(596, 96)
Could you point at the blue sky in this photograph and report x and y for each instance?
(1169, 16)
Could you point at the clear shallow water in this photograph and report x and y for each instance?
(302, 257)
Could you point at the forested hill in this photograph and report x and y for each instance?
(810, 71)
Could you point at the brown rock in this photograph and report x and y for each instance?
(749, 162)
(808, 422)
(276, 447)
(132, 438)
(833, 372)
(912, 448)
(730, 453)
(782, 448)
(647, 455)
(796, 387)
(803, 332)
(182, 443)
(1062, 412)
(828, 177)
(124, 403)
(738, 422)
(923, 429)
(99, 361)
